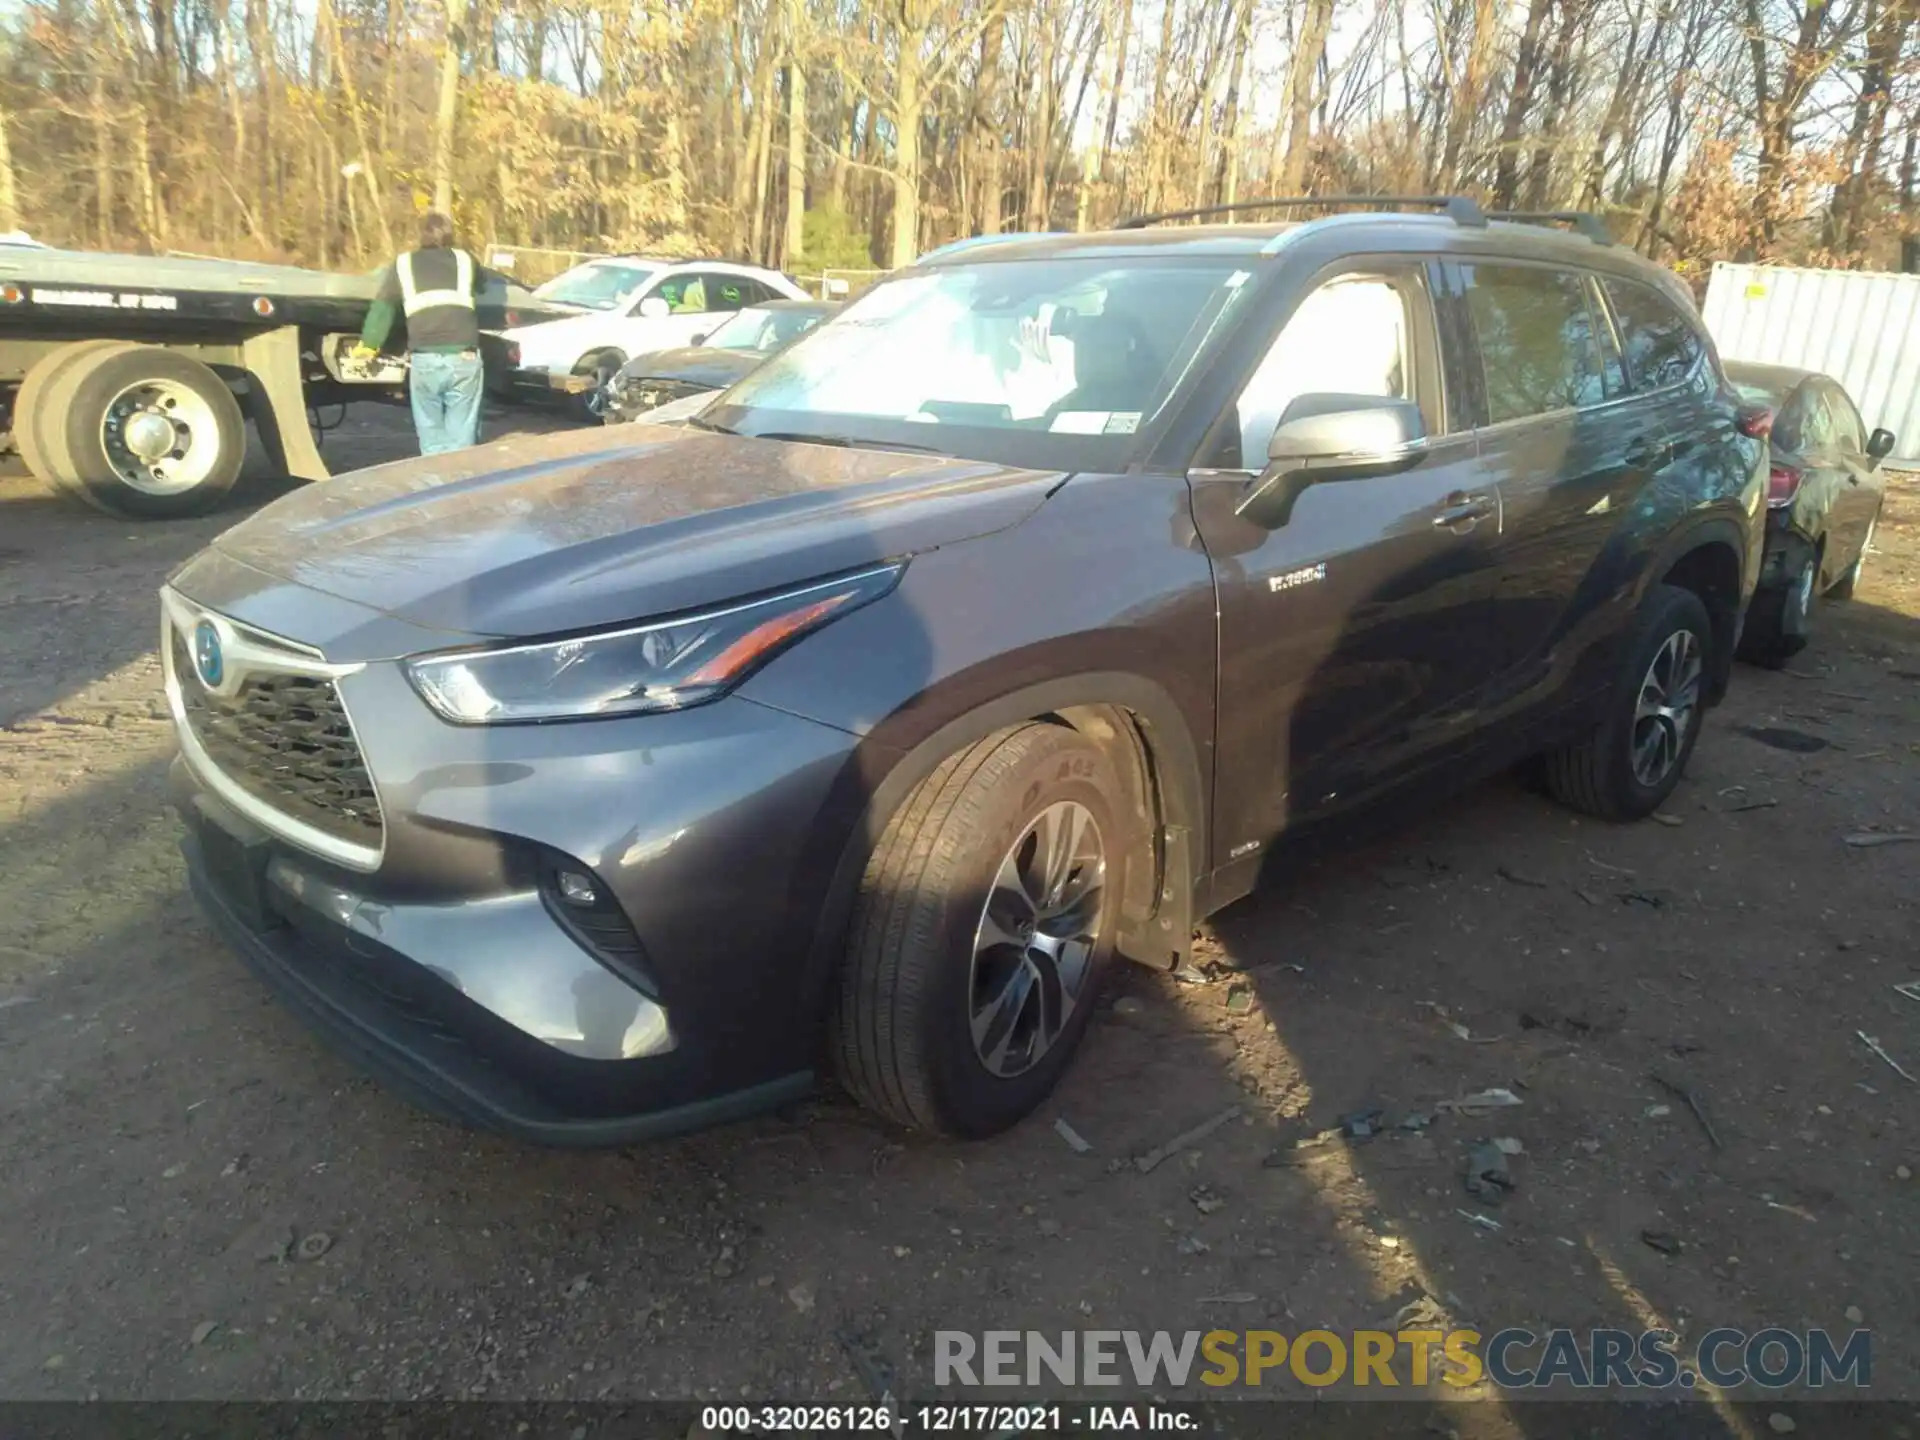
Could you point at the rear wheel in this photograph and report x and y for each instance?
(150, 433)
(1844, 587)
(984, 925)
(1780, 620)
(35, 433)
(1629, 763)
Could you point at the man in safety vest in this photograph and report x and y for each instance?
(435, 288)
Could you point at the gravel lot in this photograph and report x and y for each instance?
(174, 1145)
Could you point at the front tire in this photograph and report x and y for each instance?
(1630, 762)
(983, 929)
(1845, 586)
(591, 407)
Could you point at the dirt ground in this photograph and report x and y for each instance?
(173, 1143)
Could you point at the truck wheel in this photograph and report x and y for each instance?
(151, 434)
(984, 925)
(34, 432)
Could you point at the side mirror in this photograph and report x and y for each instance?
(1880, 444)
(654, 308)
(699, 339)
(1326, 437)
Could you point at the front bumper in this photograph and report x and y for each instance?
(447, 962)
(633, 399)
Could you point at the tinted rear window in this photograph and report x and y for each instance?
(1536, 340)
(1661, 345)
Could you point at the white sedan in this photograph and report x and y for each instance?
(628, 306)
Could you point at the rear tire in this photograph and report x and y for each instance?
(35, 434)
(150, 433)
(1780, 620)
(1628, 764)
(959, 1020)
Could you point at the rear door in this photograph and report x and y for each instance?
(1350, 636)
(1557, 433)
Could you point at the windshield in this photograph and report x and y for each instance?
(597, 285)
(1049, 362)
(763, 331)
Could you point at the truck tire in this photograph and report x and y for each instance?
(150, 434)
(34, 432)
(984, 926)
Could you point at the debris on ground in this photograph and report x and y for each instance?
(1794, 742)
(1691, 1096)
(1415, 1121)
(1239, 1000)
(1192, 975)
(1205, 1201)
(1797, 1211)
(1874, 1045)
(1075, 1141)
(875, 1370)
(1855, 1315)
(203, 1331)
(1752, 805)
(1485, 1222)
(1192, 1245)
(1486, 1173)
(1866, 839)
(1146, 1162)
(1909, 988)
(1663, 1241)
(1232, 1297)
(1781, 1423)
(1361, 1124)
(1496, 1099)
(1129, 1006)
(274, 1247)
(312, 1247)
(1514, 877)
(1663, 818)
(1659, 1112)
(1509, 1145)
(801, 1297)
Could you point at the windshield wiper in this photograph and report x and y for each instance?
(697, 423)
(847, 442)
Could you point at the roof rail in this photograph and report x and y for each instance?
(1587, 223)
(1460, 209)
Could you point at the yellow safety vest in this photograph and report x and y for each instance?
(413, 299)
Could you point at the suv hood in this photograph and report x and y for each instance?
(539, 534)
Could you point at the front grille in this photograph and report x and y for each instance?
(285, 740)
(641, 395)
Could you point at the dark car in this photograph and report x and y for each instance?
(1824, 492)
(743, 341)
(599, 785)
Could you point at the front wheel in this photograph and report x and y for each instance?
(984, 925)
(1630, 762)
(592, 404)
(1844, 587)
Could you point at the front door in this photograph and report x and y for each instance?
(1352, 635)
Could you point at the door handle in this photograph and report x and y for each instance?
(1649, 454)
(1463, 512)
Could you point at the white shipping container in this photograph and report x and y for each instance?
(1862, 329)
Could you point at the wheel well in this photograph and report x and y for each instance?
(1712, 571)
(593, 357)
(1157, 893)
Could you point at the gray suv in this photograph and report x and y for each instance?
(595, 786)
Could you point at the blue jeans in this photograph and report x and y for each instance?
(446, 391)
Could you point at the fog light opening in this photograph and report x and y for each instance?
(577, 889)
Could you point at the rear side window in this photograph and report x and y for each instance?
(1536, 336)
(1661, 345)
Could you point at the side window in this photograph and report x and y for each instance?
(1848, 431)
(728, 292)
(1662, 345)
(1348, 337)
(684, 294)
(752, 292)
(1536, 337)
(1817, 431)
(1612, 365)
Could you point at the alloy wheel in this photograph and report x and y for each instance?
(1663, 714)
(160, 437)
(1033, 948)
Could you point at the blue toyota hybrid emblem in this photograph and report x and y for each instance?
(206, 654)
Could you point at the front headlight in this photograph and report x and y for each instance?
(666, 665)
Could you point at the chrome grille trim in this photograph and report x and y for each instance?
(249, 652)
